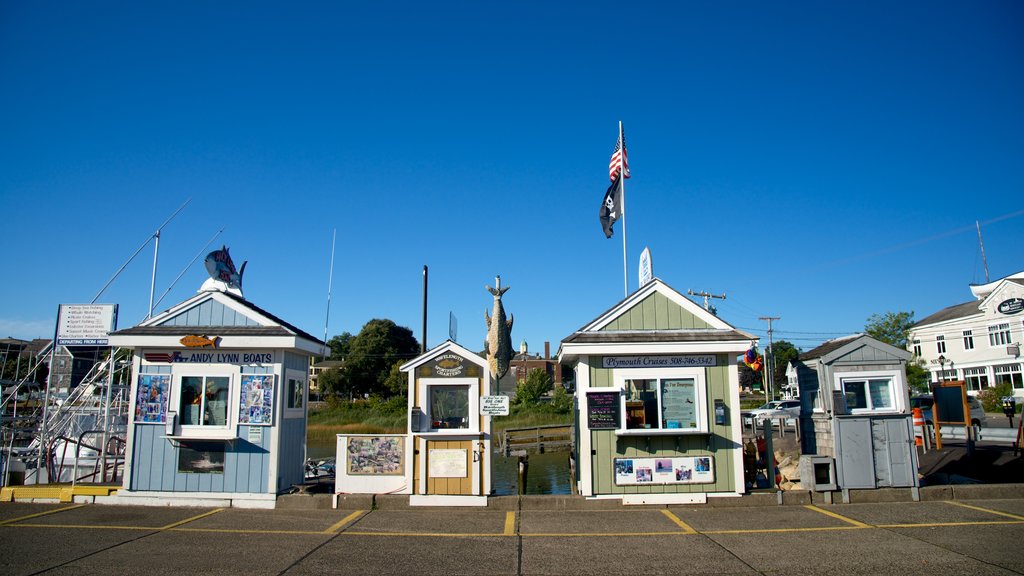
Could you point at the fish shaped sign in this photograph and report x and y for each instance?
(220, 267)
(499, 333)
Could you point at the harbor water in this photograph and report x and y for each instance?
(547, 473)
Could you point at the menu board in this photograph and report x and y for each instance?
(679, 403)
(603, 410)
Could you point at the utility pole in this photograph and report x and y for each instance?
(707, 299)
(770, 364)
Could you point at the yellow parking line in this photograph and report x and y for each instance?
(338, 525)
(783, 530)
(678, 522)
(510, 523)
(996, 512)
(192, 519)
(945, 524)
(38, 514)
(602, 534)
(88, 527)
(831, 514)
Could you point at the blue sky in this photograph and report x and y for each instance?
(818, 162)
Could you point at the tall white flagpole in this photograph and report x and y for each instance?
(622, 208)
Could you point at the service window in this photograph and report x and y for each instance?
(452, 403)
(870, 392)
(204, 401)
(663, 400)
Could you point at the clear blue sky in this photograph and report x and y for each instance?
(816, 161)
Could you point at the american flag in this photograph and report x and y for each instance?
(613, 164)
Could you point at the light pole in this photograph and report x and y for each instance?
(942, 368)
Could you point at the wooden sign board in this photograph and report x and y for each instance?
(950, 405)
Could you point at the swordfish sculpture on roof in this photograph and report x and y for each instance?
(498, 348)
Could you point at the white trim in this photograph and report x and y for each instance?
(897, 390)
(739, 483)
(656, 285)
(447, 500)
(129, 443)
(193, 499)
(668, 498)
(229, 430)
(423, 388)
(584, 460)
(291, 343)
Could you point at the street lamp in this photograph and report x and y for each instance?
(942, 367)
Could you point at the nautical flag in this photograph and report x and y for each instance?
(613, 164)
(611, 206)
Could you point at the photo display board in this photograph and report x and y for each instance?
(256, 400)
(681, 470)
(604, 411)
(151, 398)
(376, 456)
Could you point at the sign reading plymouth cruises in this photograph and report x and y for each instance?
(678, 361)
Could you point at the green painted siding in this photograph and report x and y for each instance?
(656, 312)
(607, 446)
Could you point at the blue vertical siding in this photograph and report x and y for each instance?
(155, 464)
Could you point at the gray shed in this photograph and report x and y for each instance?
(856, 428)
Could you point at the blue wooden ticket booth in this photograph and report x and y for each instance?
(218, 403)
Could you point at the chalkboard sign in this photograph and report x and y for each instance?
(603, 410)
(950, 403)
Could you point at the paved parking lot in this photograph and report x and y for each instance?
(948, 537)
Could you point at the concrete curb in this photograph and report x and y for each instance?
(566, 502)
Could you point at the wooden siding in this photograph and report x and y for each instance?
(155, 464)
(868, 355)
(719, 444)
(452, 486)
(291, 453)
(209, 313)
(656, 312)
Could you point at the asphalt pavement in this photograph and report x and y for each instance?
(947, 537)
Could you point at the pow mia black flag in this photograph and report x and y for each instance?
(611, 206)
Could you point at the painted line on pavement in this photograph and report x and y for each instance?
(979, 508)
(333, 529)
(782, 530)
(942, 524)
(192, 519)
(38, 514)
(831, 514)
(678, 522)
(510, 523)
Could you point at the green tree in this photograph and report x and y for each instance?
(536, 385)
(782, 353)
(372, 355)
(340, 345)
(918, 376)
(331, 385)
(891, 327)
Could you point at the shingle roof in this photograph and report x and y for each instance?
(285, 328)
(828, 347)
(951, 313)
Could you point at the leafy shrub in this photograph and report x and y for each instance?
(992, 398)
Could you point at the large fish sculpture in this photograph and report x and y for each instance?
(498, 348)
(220, 267)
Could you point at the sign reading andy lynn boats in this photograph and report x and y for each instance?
(85, 324)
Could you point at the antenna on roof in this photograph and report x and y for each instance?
(982, 245)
